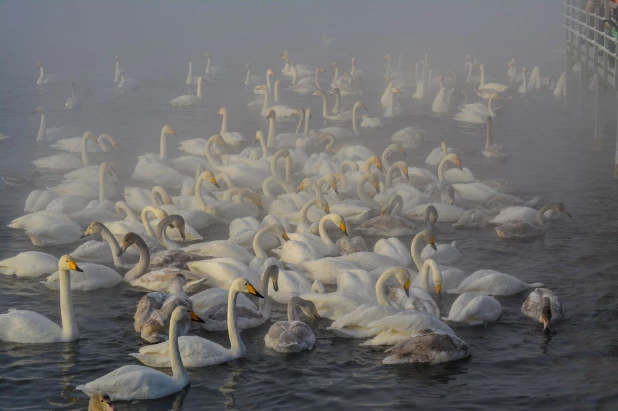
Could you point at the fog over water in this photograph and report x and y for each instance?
(514, 365)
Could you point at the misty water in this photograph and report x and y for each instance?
(513, 364)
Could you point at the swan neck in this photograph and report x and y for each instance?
(336, 76)
(415, 254)
(489, 106)
(41, 75)
(199, 88)
(354, 120)
(441, 168)
(264, 303)
(482, 77)
(122, 206)
(384, 158)
(41, 135)
(145, 221)
(85, 157)
(248, 77)
(276, 92)
(200, 198)
(469, 78)
(324, 109)
(207, 65)
(489, 139)
(292, 314)
(380, 288)
(307, 124)
(143, 263)
(265, 104)
(263, 145)
(208, 152)
(322, 229)
(163, 145)
(223, 123)
(271, 132)
(540, 214)
(236, 345)
(178, 369)
(107, 235)
(360, 188)
(388, 183)
(190, 74)
(102, 182)
(257, 247)
(69, 325)
(268, 82)
(301, 117)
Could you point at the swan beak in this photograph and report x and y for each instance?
(172, 132)
(377, 187)
(343, 228)
(316, 316)
(182, 234)
(567, 213)
(458, 163)
(380, 166)
(405, 172)
(334, 186)
(406, 287)
(194, 317)
(438, 288)
(327, 209)
(433, 244)
(545, 325)
(301, 187)
(285, 236)
(122, 250)
(275, 284)
(213, 181)
(251, 289)
(84, 235)
(73, 266)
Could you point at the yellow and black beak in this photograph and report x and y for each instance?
(567, 213)
(213, 181)
(343, 228)
(73, 266)
(380, 166)
(251, 289)
(316, 316)
(405, 172)
(433, 244)
(458, 163)
(84, 235)
(301, 187)
(285, 236)
(195, 318)
(122, 250)
(334, 186)
(406, 287)
(438, 288)
(275, 284)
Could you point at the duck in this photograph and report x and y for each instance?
(136, 382)
(293, 335)
(197, 351)
(29, 327)
(211, 305)
(474, 309)
(428, 346)
(543, 305)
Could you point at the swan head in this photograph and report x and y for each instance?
(90, 136)
(546, 314)
(247, 67)
(39, 64)
(375, 160)
(222, 111)
(67, 263)
(271, 114)
(208, 176)
(244, 286)
(181, 313)
(220, 140)
(453, 158)
(318, 93)
(173, 221)
(427, 236)
(333, 185)
(129, 239)
(436, 275)
(444, 148)
(307, 114)
(308, 308)
(334, 64)
(168, 130)
(272, 273)
(559, 207)
(189, 59)
(259, 136)
(269, 72)
(261, 87)
(111, 139)
(93, 228)
(396, 90)
(304, 184)
(337, 219)
(101, 402)
(525, 69)
(39, 109)
(431, 216)
(353, 61)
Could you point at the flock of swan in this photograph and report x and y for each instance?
(298, 208)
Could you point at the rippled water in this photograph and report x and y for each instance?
(513, 364)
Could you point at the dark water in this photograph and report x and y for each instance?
(514, 366)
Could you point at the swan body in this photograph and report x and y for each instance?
(92, 277)
(428, 346)
(490, 282)
(188, 100)
(28, 327)
(293, 335)
(544, 306)
(29, 264)
(398, 327)
(370, 122)
(474, 191)
(474, 309)
(136, 382)
(74, 144)
(410, 137)
(67, 162)
(445, 254)
(48, 228)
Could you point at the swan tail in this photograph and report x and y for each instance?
(454, 291)
(536, 285)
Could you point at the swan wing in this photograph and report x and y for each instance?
(93, 277)
(195, 352)
(29, 264)
(28, 327)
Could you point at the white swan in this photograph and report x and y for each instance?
(492, 150)
(43, 78)
(355, 323)
(428, 346)
(29, 264)
(560, 89)
(410, 137)
(200, 352)
(399, 327)
(477, 113)
(283, 112)
(28, 327)
(544, 306)
(370, 122)
(73, 102)
(293, 335)
(440, 103)
(523, 229)
(188, 100)
(490, 282)
(523, 89)
(48, 134)
(233, 139)
(474, 309)
(136, 382)
(211, 305)
(417, 298)
(117, 72)
(497, 87)
(126, 82)
(48, 228)
(65, 162)
(152, 167)
(393, 110)
(74, 144)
